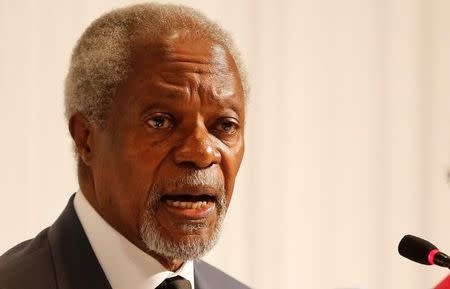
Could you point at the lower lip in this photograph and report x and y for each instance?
(191, 214)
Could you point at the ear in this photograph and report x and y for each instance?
(81, 131)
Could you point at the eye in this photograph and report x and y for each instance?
(160, 121)
(227, 126)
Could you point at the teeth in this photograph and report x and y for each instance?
(187, 205)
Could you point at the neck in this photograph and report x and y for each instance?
(170, 264)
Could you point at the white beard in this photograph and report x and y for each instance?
(193, 246)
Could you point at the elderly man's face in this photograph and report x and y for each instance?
(165, 165)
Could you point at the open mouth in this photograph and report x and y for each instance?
(188, 201)
(191, 206)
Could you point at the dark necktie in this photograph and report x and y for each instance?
(176, 282)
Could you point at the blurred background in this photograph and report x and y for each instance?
(348, 137)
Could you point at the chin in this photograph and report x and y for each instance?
(187, 241)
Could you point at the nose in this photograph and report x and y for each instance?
(197, 150)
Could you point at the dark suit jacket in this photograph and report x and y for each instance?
(61, 257)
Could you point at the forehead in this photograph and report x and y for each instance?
(186, 60)
(182, 48)
(179, 43)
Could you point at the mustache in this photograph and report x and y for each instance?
(207, 179)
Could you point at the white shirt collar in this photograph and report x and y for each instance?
(125, 265)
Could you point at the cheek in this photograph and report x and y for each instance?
(140, 155)
(231, 161)
(133, 164)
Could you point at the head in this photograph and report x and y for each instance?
(155, 99)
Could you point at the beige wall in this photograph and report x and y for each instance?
(348, 137)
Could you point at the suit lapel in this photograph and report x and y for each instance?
(76, 265)
(200, 283)
(207, 277)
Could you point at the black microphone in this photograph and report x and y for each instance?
(422, 251)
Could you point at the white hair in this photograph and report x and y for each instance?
(100, 60)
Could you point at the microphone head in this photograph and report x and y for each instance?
(415, 249)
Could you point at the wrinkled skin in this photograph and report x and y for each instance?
(180, 110)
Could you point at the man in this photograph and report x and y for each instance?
(155, 102)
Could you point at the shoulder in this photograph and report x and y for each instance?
(208, 277)
(28, 265)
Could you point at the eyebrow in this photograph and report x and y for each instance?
(173, 91)
(164, 104)
(231, 103)
(173, 95)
